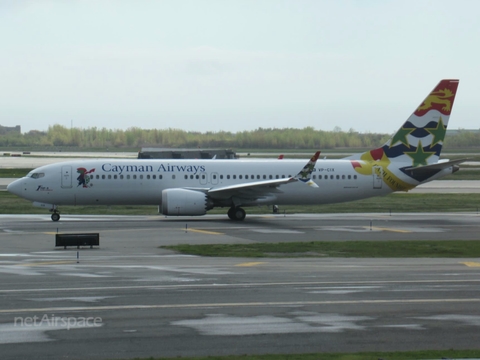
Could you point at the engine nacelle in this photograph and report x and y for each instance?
(179, 202)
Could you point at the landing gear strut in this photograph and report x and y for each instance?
(236, 213)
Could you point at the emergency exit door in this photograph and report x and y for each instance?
(66, 176)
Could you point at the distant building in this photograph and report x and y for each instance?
(10, 129)
(156, 153)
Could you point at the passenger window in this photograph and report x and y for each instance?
(191, 177)
(173, 177)
(134, 176)
(239, 176)
(114, 176)
(246, 177)
(197, 177)
(228, 176)
(264, 176)
(148, 176)
(277, 177)
(331, 177)
(270, 176)
(319, 177)
(103, 176)
(128, 177)
(355, 177)
(214, 176)
(160, 177)
(221, 176)
(314, 177)
(234, 176)
(186, 177)
(258, 177)
(343, 176)
(141, 176)
(121, 177)
(154, 177)
(203, 176)
(283, 176)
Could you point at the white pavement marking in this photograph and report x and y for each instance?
(277, 231)
(236, 305)
(87, 299)
(225, 325)
(34, 330)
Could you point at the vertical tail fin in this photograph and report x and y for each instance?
(420, 139)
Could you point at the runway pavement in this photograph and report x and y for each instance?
(129, 298)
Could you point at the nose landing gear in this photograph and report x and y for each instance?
(55, 215)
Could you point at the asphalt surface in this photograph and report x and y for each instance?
(128, 298)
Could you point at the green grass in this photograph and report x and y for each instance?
(399, 355)
(13, 173)
(344, 249)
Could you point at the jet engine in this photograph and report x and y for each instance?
(184, 202)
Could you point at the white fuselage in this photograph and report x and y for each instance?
(141, 182)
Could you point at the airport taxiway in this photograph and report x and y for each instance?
(129, 298)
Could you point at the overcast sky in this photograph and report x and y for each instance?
(234, 65)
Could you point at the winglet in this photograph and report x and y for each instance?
(305, 174)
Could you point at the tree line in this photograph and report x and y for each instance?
(261, 138)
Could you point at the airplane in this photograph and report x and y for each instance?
(192, 187)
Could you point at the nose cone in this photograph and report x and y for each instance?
(16, 187)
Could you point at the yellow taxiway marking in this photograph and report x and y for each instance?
(471, 264)
(48, 263)
(205, 232)
(250, 264)
(386, 229)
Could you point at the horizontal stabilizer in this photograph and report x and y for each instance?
(436, 166)
(426, 172)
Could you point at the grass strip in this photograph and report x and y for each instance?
(13, 173)
(344, 249)
(399, 355)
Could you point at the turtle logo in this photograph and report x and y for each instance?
(82, 178)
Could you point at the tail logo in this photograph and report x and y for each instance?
(419, 157)
(437, 132)
(440, 100)
(401, 136)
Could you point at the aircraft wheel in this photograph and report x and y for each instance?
(55, 216)
(239, 214)
(236, 213)
(231, 213)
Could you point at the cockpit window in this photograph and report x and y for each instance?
(36, 175)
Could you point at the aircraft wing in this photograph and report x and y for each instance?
(265, 189)
(254, 189)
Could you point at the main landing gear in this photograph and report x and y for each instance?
(236, 213)
(55, 215)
